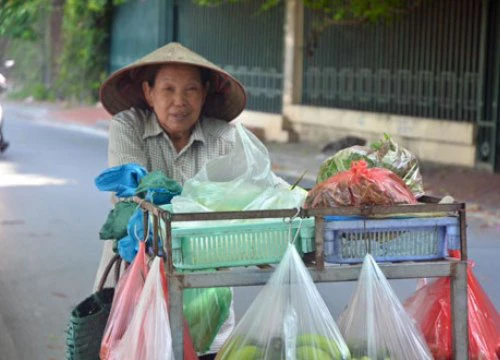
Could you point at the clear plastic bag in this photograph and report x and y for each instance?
(148, 336)
(240, 180)
(390, 155)
(430, 307)
(375, 324)
(287, 320)
(126, 297)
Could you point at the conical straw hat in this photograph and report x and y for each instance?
(226, 97)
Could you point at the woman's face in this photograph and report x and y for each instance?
(176, 97)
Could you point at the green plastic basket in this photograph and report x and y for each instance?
(88, 319)
(239, 244)
(86, 326)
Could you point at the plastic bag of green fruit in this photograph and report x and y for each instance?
(287, 320)
(375, 324)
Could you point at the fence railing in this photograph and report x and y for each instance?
(425, 63)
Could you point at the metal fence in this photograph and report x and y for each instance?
(245, 42)
(134, 32)
(425, 63)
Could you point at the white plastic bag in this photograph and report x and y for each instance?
(240, 180)
(148, 335)
(375, 324)
(287, 320)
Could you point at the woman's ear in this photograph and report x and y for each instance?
(146, 90)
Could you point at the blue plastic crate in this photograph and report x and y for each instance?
(347, 241)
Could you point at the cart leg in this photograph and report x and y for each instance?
(176, 316)
(459, 310)
(319, 243)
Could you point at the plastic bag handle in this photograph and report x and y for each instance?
(290, 228)
(115, 260)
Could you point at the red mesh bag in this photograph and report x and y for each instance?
(360, 185)
(430, 307)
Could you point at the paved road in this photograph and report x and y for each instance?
(50, 214)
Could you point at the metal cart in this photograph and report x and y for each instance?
(456, 269)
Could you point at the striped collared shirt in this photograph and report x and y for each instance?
(135, 136)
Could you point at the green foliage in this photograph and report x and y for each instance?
(29, 65)
(84, 58)
(18, 18)
(38, 91)
(339, 11)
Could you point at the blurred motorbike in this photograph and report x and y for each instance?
(3, 88)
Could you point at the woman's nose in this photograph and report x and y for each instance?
(179, 99)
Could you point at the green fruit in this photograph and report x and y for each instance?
(248, 352)
(233, 346)
(321, 342)
(230, 346)
(311, 352)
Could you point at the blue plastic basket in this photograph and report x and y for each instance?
(347, 241)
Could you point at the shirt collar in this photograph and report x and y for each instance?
(152, 128)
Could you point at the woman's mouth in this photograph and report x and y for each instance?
(178, 116)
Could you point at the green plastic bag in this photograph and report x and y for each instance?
(159, 187)
(242, 180)
(115, 226)
(205, 311)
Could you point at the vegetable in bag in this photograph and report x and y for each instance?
(386, 154)
(360, 186)
(375, 324)
(287, 320)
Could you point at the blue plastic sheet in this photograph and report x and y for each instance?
(129, 245)
(129, 180)
(123, 179)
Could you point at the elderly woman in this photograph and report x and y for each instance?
(170, 112)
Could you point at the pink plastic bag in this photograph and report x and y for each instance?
(126, 297)
(148, 335)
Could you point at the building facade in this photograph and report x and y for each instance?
(430, 78)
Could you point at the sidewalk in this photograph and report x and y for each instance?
(478, 188)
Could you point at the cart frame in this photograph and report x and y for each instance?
(455, 269)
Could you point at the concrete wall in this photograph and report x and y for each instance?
(269, 126)
(440, 141)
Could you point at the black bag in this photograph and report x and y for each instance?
(88, 319)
